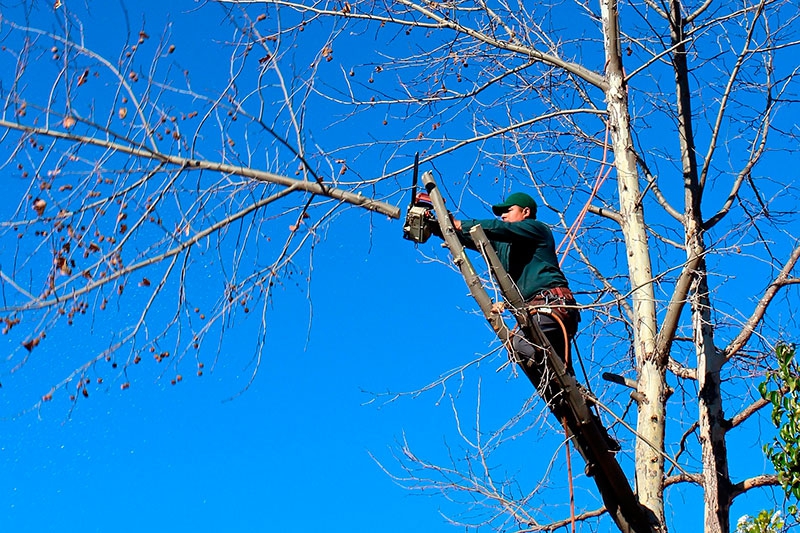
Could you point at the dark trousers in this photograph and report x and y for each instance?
(553, 330)
(531, 359)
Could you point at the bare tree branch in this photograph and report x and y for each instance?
(754, 482)
(761, 308)
(747, 412)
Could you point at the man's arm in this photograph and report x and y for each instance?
(463, 237)
(497, 230)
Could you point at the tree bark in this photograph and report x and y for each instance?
(716, 479)
(652, 385)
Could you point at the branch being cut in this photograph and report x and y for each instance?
(316, 188)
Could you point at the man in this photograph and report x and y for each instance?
(527, 251)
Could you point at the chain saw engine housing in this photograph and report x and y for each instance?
(419, 217)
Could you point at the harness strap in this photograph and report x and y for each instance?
(559, 293)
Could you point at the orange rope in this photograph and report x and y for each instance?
(569, 475)
(602, 174)
(566, 336)
(564, 419)
(563, 327)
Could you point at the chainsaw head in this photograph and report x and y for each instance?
(416, 227)
(419, 217)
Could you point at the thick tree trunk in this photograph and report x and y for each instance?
(652, 384)
(716, 480)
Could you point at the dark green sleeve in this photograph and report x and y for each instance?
(497, 230)
(526, 250)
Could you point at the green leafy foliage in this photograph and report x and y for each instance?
(782, 390)
(764, 522)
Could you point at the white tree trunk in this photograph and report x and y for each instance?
(649, 461)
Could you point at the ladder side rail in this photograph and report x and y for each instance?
(462, 261)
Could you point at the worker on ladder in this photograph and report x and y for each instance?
(526, 249)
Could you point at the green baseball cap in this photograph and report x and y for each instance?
(518, 198)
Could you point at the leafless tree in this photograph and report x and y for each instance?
(127, 179)
(685, 267)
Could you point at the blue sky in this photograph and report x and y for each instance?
(290, 453)
(295, 450)
(298, 448)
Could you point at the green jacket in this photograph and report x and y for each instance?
(526, 250)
